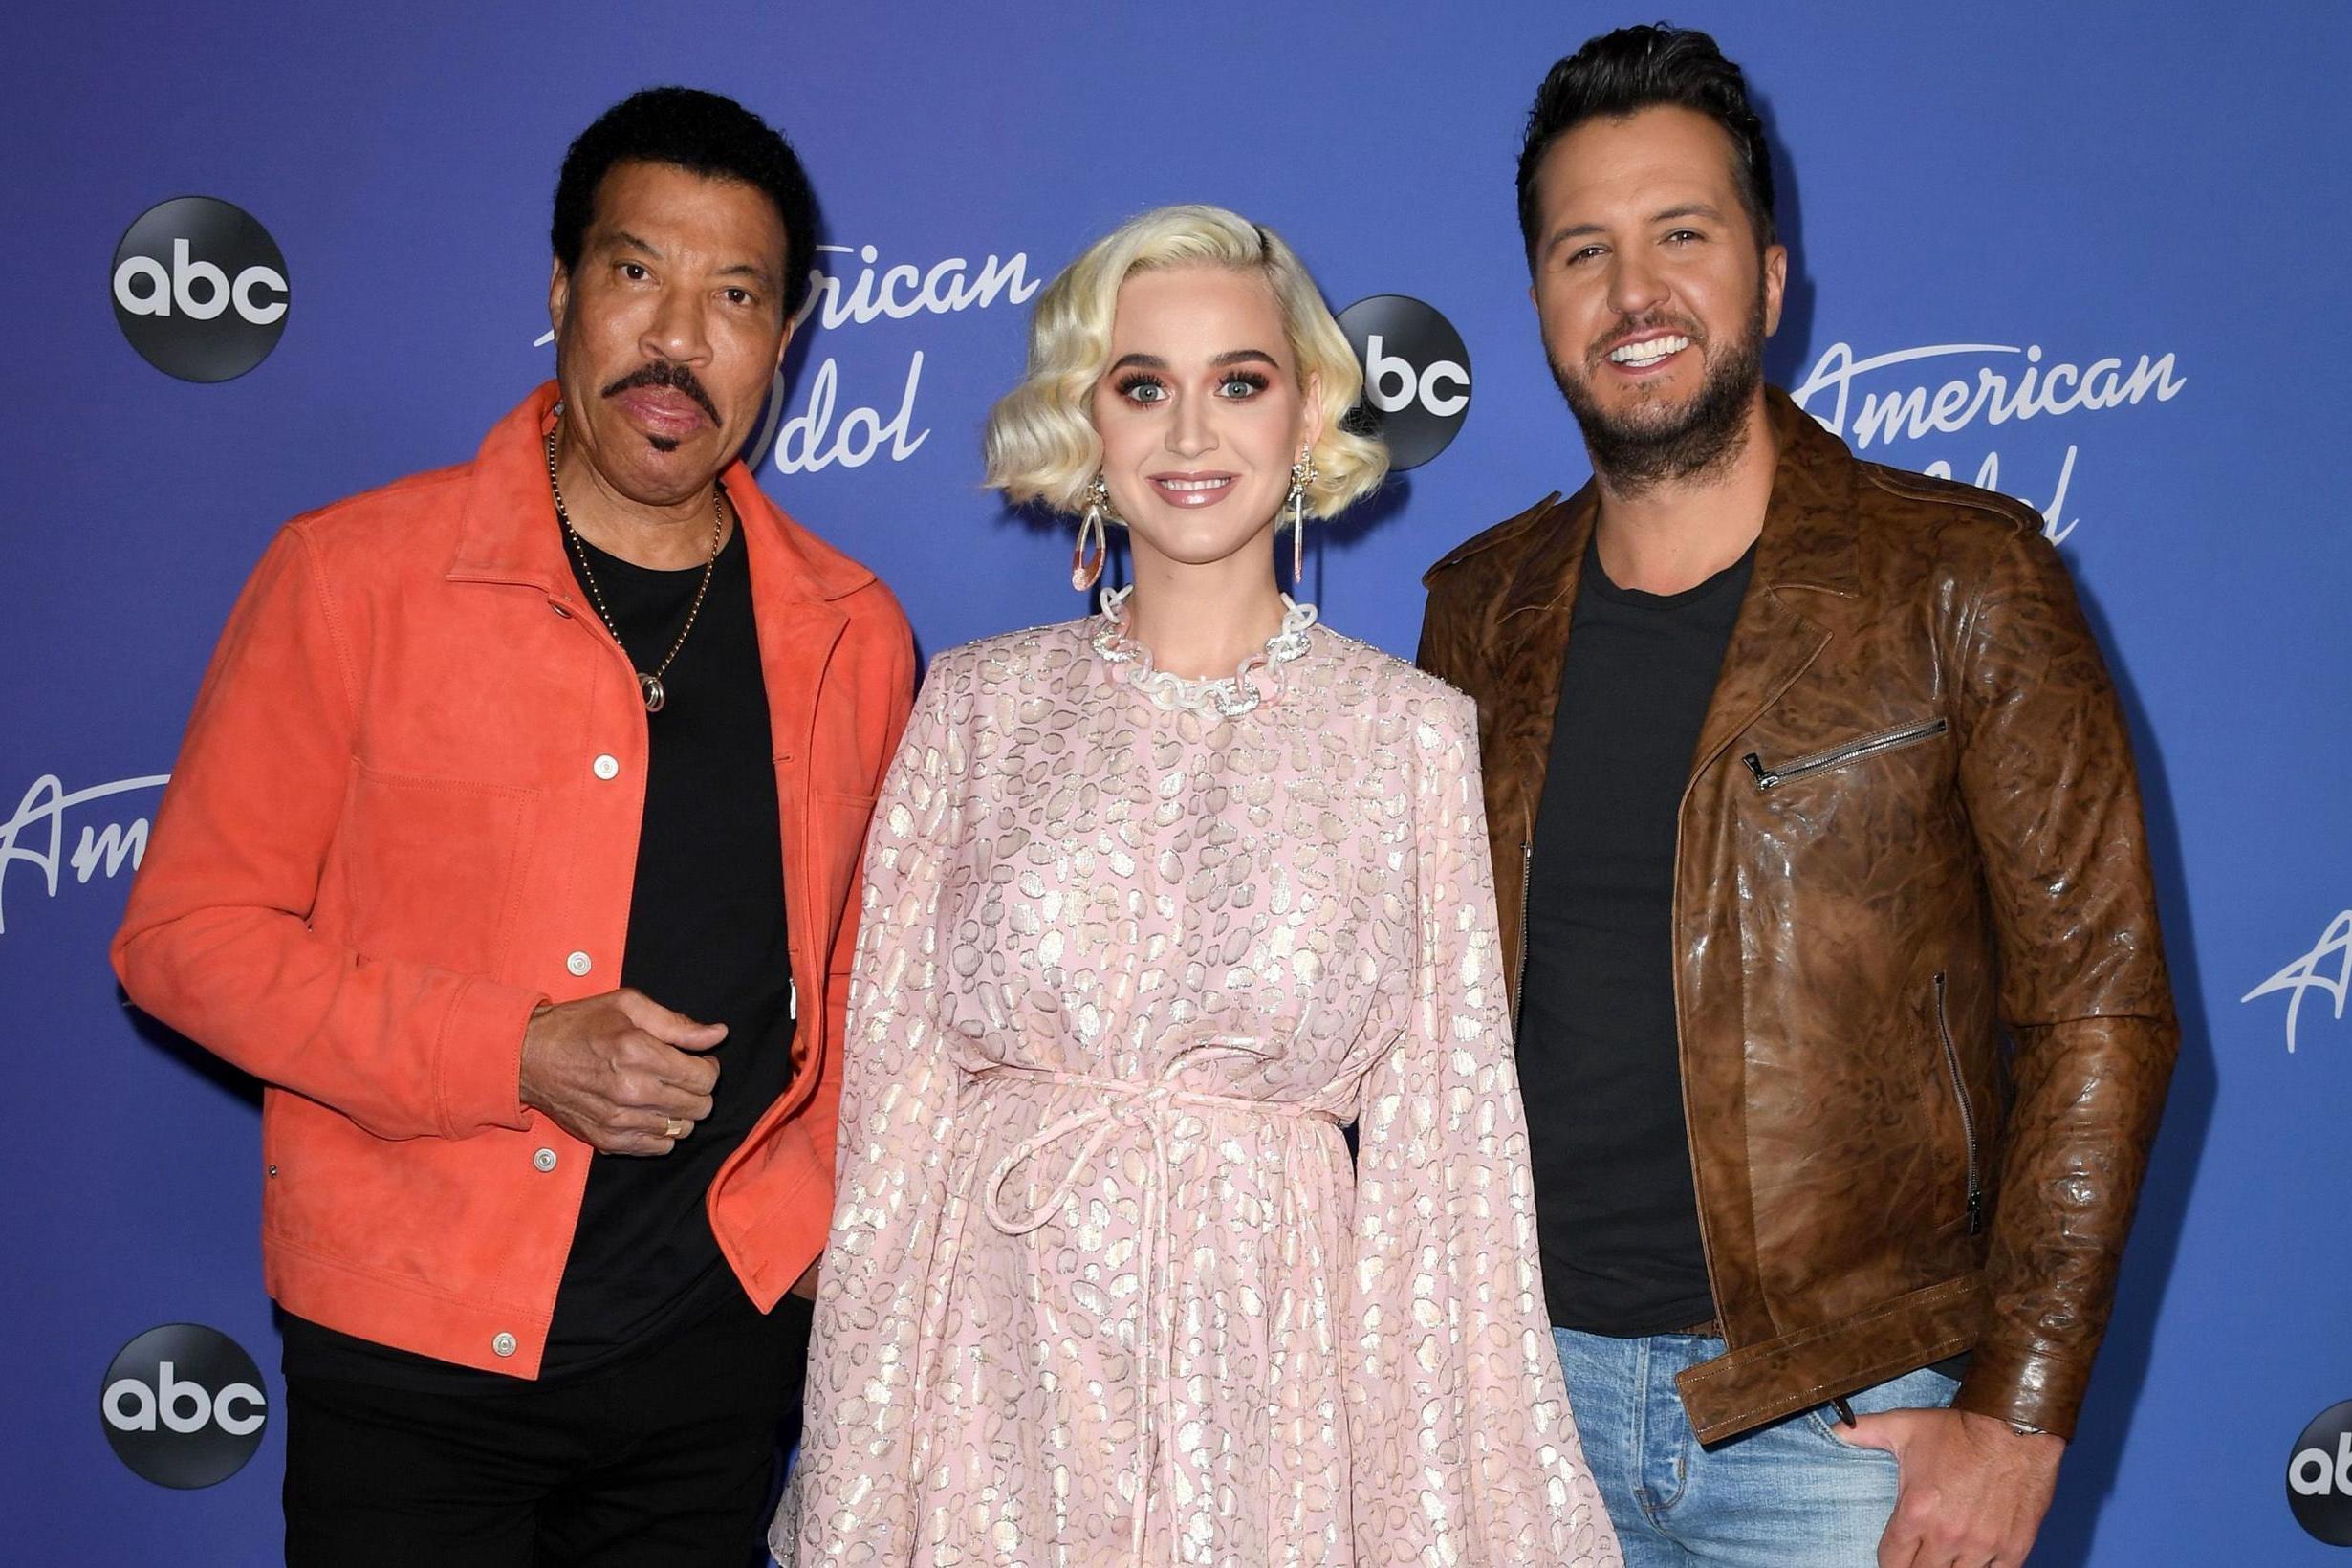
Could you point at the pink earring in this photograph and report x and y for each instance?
(1086, 570)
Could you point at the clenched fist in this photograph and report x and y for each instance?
(620, 1072)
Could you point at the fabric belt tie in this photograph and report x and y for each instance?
(1144, 1106)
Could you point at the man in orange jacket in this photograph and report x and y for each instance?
(514, 845)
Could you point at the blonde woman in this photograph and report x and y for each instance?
(1158, 901)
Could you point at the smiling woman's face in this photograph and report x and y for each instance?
(1201, 412)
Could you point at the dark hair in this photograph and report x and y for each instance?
(708, 134)
(1635, 68)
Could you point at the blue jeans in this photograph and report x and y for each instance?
(1791, 1492)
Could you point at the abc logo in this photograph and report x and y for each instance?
(2320, 1476)
(1416, 375)
(199, 289)
(183, 1406)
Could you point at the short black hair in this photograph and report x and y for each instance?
(708, 134)
(1634, 68)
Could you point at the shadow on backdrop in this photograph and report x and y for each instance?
(1788, 354)
(2087, 1475)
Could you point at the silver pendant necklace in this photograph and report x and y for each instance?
(648, 686)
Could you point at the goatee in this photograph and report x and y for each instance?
(1632, 453)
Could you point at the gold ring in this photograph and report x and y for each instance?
(674, 1126)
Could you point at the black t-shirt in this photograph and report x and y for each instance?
(1598, 1066)
(706, 938)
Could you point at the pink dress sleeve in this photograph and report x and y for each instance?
(875, 1318)
(1463, 1450)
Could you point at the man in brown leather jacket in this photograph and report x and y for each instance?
(1843, 1024)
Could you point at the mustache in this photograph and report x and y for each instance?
(663, 373)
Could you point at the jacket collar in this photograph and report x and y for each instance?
(506, 526)
(1809, 538)
(1807, 544)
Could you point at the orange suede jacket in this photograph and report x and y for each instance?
(405, 813)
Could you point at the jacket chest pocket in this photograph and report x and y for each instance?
(431, 868)
(1772, 776)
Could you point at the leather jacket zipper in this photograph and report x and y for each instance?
(1886, 740)
(1968, 1117)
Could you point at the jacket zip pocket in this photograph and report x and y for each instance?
(1886, 740)
(1518, 981)
(1968, 1117)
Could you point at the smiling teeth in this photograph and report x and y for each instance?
(1195, 484)
(1649, 352)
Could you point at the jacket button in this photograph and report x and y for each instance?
(559, 609)
(606, 766)
(544, 1160)
(578, 964)
(504, 1344)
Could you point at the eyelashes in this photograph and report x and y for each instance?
(1135, 381)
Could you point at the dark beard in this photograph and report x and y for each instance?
(1633, 455)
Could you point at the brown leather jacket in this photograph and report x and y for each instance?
(1926, 1027)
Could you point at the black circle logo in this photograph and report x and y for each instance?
(2320, 1476)
(199, 289)
(1416, 375)
(183, 1406)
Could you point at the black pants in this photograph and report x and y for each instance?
(664, 1459)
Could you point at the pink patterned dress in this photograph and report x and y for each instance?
(1105, 1286)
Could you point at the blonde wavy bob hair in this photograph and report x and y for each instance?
(1041, 443)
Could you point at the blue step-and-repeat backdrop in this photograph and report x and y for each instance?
(2093, 255)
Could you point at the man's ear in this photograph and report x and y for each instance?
(1775, 285)
(558, 293)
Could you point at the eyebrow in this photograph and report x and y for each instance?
(622, 238)
(1684, 209)
(1231, 356)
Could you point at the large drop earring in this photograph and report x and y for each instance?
(1085, 570)
(1302, 475)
